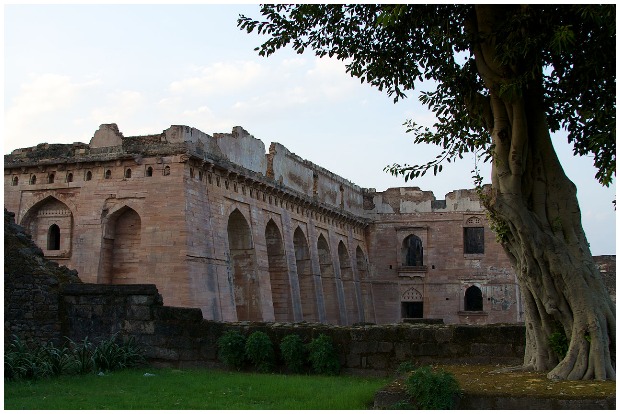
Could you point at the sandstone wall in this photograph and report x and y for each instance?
(180, 337)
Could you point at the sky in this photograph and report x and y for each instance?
(70, 68)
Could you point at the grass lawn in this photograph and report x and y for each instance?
(192, 389)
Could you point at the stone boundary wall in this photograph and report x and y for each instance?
(180, 337)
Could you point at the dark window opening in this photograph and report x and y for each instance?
(50, 179)
(149, 172)
(70, 178)
(53, 238)
(413, 251)
(128, 173)
(473, 239)
(108, 174)
(33, 179)
(89, 176)
(412, 309)
(15, 181)
(166, 170)
(473, 299)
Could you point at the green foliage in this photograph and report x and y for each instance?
(404, 367)
(293, 353)
(432, 390)
(232, 349)
(259, 351)
(33, 362)
(558, 343)
(556, 54)
(322, 356)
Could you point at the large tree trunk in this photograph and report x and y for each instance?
(534, 208)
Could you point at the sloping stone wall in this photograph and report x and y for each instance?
(31, 287)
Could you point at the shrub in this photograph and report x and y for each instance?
(432, 390)
(232, 349)
(322, 356)
(259, 351)
(559, 343)
(293, 353)
(22, 361)
(111, 355)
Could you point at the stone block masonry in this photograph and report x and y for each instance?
(217, 223)
(180, 337)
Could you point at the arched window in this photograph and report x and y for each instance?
(191, 173)
(108, 174)
(413, 252)
(33, 179)
(128, 173)
(473, 299)
(50, 178)
(167, 170)
(149, 172)
(53, 237)
(70, 177)
(15, 181)
(89, 175)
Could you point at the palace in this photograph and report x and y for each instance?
(218, 223)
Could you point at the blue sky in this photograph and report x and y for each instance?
(70, 68)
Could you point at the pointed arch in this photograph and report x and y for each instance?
(349, 285)
(307, 288)
(121, 247)
(278, 274)
(473, 299)
(50, 222)
(412, 251)
(365, 285)
(246, 291)
(328, 280)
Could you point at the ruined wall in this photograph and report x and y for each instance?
(180, 337)
(437, 285)
(31, 288)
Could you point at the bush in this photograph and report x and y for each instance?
(109, 355)
(293, 353)
(559, 343)
(259, 351)
(432, 390)
(322, 356)
(232, 349)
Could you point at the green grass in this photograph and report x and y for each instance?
(192, 389)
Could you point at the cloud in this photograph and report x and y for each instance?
(37, 110)
(219, 78)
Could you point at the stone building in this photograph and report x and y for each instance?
(218, 223)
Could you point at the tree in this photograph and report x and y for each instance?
(507, 76)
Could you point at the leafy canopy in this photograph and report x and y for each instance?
(568, 50)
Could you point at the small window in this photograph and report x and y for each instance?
(33, 179)
(200, 175)
(50, 178)
(413, 252)
(473, 299)
(108, 174)
(473, 239)
(167, 170)
(89, 175)
(128, 173)
(191, 173)
(15, 181)
(149, 172)
(53, 237)
(70, 177)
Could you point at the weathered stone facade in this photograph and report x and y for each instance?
(217, 223)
